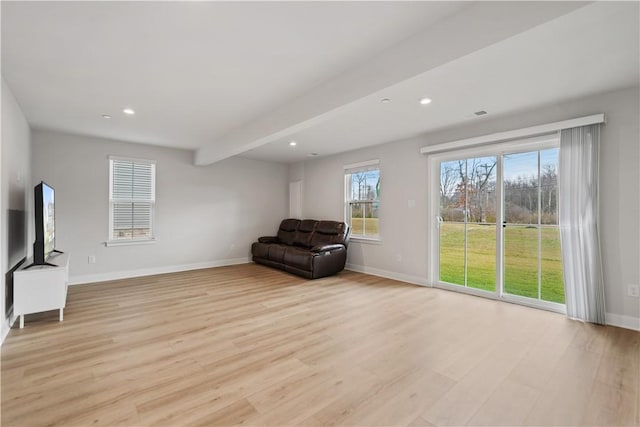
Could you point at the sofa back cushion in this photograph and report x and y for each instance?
(329, 233)
(305, 233)
(287, 230)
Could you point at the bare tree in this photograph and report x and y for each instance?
(476, 175)
(549, 190)
(447, 182)
(483, 172)
(361, 181)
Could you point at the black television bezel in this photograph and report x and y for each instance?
(39, 256)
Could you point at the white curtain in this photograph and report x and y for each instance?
(578, 209)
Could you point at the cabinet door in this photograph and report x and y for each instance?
(39, 290)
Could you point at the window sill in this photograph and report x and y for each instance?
(366, 240)
(130, 242)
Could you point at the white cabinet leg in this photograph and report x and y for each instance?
(21, 321)
(61, 314)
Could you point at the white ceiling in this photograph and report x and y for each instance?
(591, 50)
(192, 70)
(246, 78)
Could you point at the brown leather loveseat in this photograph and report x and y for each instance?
(308, 248)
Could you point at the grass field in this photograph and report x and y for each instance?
(370, 226)
(521, 260)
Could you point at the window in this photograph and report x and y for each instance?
(131, 199)
(362, 197)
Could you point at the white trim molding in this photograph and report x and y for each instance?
(514, 134)
(117, 275)
(623, 321)
(365, 240)
(401, 277)
(131, 159)
(130, 242)
(362, 164)
(9, 321)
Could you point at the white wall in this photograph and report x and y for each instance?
(16, 192)
(403, 250)
(204, 215)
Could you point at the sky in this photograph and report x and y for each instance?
(519, 164)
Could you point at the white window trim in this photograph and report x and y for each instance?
(366, 240)
(362, 164)
(130, 242)
(141, 241)
(515, 134)
(347, 189)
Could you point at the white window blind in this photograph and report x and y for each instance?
(131, 199)
(362, 197)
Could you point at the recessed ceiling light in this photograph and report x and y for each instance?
(129, 111)
(106, 116)
(385, 100)
(293, 143)
(313, 154)
(425, 101)
(480, 113)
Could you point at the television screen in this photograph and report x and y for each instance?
(48, 216)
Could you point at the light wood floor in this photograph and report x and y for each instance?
(255, 346)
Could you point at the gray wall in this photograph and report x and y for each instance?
(403, 250)
(204, 215)
(16, 193)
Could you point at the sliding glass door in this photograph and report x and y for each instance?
(517, 189)
(468, 222)
(532, 260)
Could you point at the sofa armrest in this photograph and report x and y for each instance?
(326, 248)
(268, 239)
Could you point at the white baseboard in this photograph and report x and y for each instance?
(6, 329)
(416, 280)
(9, 321)
(622, 321)
(117, 275)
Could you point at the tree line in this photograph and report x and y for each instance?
(468, 188)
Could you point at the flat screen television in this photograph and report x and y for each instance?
(45, 216)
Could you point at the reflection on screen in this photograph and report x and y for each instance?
(48, 216)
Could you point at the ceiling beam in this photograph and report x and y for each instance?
(475, 27)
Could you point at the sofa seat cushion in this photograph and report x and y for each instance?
(276, 252)
(299, 258)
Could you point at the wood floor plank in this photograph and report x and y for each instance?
(396, 402)
(466, 397)
(508, 405)
(249, 345)
(568, 390)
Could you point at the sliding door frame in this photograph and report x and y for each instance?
(541, 142)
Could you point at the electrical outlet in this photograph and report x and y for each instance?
(633, 290)
(91, 259)
(399, 257)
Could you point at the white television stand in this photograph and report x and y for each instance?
(41, 287)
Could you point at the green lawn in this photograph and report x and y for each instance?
(521, 263)
(370, 226)
(521, 260)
